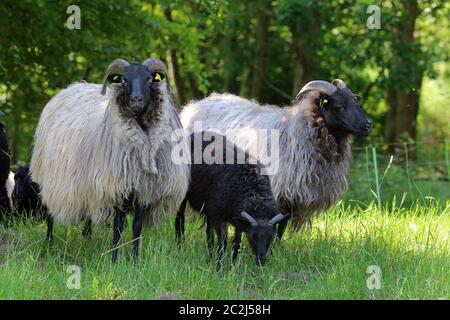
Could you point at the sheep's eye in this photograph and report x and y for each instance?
(157, 77)
(116, 78)
(323, 103)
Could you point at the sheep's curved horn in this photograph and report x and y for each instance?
(249, 218)
(320, 85)
(115, 67)
(155, 64)
(276, 219)
(339, 83)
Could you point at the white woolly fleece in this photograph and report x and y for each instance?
(306, 181)
(10, 183)
(87, 159)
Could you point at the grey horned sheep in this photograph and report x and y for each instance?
(100, 152)
(313, 138)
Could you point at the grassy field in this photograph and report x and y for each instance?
(329, 261)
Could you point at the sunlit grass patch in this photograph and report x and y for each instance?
(328, 261)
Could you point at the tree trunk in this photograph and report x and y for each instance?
(305, 65)
(173, 65)
(262, 40)
(229, 59)
(15, 136)
(406, 116)
(246, 89)
(408, 100)
(86, 73)
(299, 71)
(305, 68)
(403, 100)
(195, 92)
(389, 126)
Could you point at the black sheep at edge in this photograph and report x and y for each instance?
(26, 194)
(5, 163)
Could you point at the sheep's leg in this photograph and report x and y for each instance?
(281, 227)
(87, 230)
(222, 243)
(179, 222)
(210, 238)
(236, 245)
(49, 236)
(117, 231)
(137, 228)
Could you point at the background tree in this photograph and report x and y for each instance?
(264, 49)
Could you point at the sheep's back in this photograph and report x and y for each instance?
(226, 111)
(250, 126)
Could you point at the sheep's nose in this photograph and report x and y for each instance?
(368, 125)
(137, 99)
(260, 261)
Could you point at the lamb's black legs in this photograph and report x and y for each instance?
(137, 227)
(117, 231)
(87, 230)
(179, 222)
(210, 238)
(281, 227)
(236, 245)
(49, 236)
(222, 243)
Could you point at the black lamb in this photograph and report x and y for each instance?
(5, 204)
(232, 192)
(26, 194)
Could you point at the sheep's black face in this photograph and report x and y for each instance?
(260, 238)
(135, 82)
(138, 89)
(22, 189)
(343, 113)
(137, 86)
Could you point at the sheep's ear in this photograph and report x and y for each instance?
(158, 76)
(299, 96)
(112, 78)
(358, 98)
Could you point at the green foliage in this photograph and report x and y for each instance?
(211, 46)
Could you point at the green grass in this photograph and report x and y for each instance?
(330, 261)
